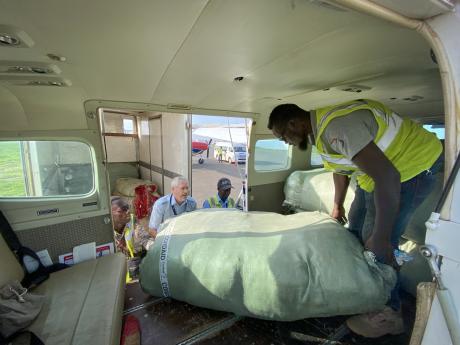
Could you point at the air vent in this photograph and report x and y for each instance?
(354, 88)
(328, 5)
(31, 80)
(179, 106)
(13, 37)
(28, 67)
(413, 98)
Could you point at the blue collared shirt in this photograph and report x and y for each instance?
(224, 204)
(166, 207)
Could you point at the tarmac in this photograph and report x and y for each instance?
(206, 175)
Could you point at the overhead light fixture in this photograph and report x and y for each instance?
(30, 69)
(8, 40)
(46, 83)
(56, 57)
(34, 80)
(413, 98)
(355, 88)
(13, 37)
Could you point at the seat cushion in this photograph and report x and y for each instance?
(84, 303)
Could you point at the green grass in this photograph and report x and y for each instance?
(11, 173)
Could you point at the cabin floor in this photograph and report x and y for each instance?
(165, 321)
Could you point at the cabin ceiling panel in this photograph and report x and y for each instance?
(234, 38)
(289, 49)
(420, 9)
(12, 113)
(189, 52)
(348, 57)
(45, 108)
(114, 49)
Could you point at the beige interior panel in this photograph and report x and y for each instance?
(176, 147)
(61, 238)
(38, 113)
(121, 149)
(189, 52)
(158, 180)
(154, 145)
(144, 137)
(100, 52)
(420, 9)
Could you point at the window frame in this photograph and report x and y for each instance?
(94, 170)
(120, 134)
(288, 158)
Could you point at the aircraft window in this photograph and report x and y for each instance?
(439, 130)
(315, 159)
(45, 168)
(271, 155)
(115, 123)
(128, 126)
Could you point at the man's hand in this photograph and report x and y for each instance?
(338, 213)
(387, 179)
(153, 233)
(382, 249)
(341, 183)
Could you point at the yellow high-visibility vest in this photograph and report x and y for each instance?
(129, 236)
(214, 202)
(410, 147)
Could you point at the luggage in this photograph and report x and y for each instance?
(265, 265)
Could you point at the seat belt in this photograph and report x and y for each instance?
(41, 273)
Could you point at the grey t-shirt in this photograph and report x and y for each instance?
(347, 135)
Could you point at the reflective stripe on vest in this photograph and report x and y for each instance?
(394, 123)
(214, 202)
(409, 147)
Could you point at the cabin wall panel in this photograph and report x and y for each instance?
(175, 144)
(144, 140)
(61, 238)
(121, 149)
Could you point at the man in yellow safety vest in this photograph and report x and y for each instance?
(393, 159)
(222, 200)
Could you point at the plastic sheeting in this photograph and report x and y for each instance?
(264, 265)
(127, 185)
(313, 190)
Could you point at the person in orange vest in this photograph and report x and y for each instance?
(222, 199)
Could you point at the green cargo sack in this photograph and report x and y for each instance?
(265, 265)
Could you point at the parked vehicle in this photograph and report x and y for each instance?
(230, 154)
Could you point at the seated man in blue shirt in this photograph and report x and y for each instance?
(171, 205)
(222, 200)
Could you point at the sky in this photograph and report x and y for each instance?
(216, 120)
(440, 132)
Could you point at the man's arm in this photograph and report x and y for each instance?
(193, 206)
(155, 219)
(374, 163)
(341, 183)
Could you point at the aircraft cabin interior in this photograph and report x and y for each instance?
(74, 74)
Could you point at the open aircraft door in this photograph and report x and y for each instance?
(166, 152)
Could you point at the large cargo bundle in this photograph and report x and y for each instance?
(311, 191)
(265, 265)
